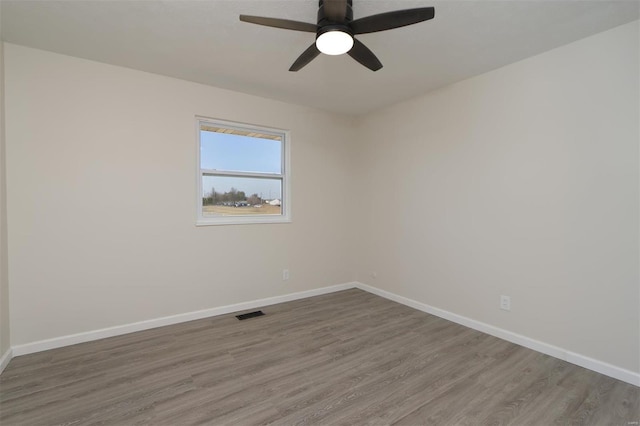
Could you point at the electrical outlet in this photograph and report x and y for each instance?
(374, 274)
(285, 274)
(505, 303)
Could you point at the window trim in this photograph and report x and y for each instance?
(285, 217)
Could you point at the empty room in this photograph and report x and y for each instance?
(243, 212)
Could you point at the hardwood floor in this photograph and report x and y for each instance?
(343, 358)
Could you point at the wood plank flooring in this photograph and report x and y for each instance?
(343, 358)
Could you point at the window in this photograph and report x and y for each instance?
(243, 174)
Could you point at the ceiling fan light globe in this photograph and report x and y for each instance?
(334, 42)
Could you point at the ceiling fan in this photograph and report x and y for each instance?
(336, 29)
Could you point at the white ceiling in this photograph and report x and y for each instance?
(204, 41)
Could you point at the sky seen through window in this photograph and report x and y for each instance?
(229, 152)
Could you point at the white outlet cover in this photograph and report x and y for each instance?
(505, 303)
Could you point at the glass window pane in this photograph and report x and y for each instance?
(240, 196)
(235, 152)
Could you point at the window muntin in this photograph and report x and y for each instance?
(242, 175)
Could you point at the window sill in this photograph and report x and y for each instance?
(241, 220)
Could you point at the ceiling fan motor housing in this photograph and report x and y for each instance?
(334, 27)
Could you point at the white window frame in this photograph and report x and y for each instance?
(285, 217)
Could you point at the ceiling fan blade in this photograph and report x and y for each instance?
(335, 10)
(390, 20)
(280, 23)
(362, 54)
(306, 57)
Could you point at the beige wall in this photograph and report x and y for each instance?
(521, 182)
(4, 282)
(101, 196)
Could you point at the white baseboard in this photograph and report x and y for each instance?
(545, 348)
(5, 358)
(88, 336)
